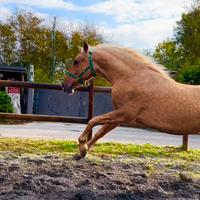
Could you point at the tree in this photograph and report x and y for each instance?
(25, 38)
(169, 54)
(34, 43)
(181, 53)
(187, 34)
(7, 43)
(189, 74)
(90, 34)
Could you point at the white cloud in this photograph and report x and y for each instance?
(5, 13)
(135, 23)
(54, 4)
(140, 24)
(143, 35)
(130, 11)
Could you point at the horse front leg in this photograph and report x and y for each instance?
(108, 118)
(112, 118)
(84, 148)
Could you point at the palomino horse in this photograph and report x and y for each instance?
(141, 93)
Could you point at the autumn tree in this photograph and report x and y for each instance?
(26, 39)
(7, 43)
(90, 34)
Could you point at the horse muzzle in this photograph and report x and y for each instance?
(68, 88)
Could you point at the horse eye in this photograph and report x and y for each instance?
(76, 62)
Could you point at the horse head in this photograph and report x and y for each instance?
(81, 71)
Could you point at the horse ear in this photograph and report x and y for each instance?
(85, 47)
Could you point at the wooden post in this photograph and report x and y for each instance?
(185, 142)
(31, 91)
(91, 106)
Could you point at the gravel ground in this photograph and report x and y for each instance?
(53, 177)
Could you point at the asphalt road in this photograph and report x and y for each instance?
(68, 131)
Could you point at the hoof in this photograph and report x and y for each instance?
(83, 150)
(77, 157)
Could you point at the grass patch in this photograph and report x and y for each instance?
(13, 121)
(147, 150)
(30, 146)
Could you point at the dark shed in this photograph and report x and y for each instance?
(15, 73)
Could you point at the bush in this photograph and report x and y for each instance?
(189, 74)
(5, 103)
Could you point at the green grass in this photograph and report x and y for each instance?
(22, 146)
(61, 147)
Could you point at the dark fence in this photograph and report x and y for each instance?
(90, 90)
(56, 102)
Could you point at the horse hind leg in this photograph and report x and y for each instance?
(103, 131)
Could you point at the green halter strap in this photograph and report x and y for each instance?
(80, 77)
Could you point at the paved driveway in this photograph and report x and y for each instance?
(46, 130)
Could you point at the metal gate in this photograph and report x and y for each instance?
(55, 102)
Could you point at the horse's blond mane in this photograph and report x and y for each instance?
(135, 55)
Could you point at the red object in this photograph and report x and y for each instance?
(14, 90)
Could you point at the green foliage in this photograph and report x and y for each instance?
(187, 34)
(5, 103)
(189, 74)
(169, 54)
(181, 53)
(85, 32)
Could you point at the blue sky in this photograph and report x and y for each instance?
(139, 24)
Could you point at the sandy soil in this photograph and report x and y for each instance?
(53, 177)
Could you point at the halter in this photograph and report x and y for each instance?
(80, 77)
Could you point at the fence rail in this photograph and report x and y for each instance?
(48, 86)
(90, 90)
(49, 118)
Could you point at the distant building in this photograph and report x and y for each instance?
(12, 72)
(16, 73)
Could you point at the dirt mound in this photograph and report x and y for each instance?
(53, 177)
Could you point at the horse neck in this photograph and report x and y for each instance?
(109, 66)
(116, 66)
